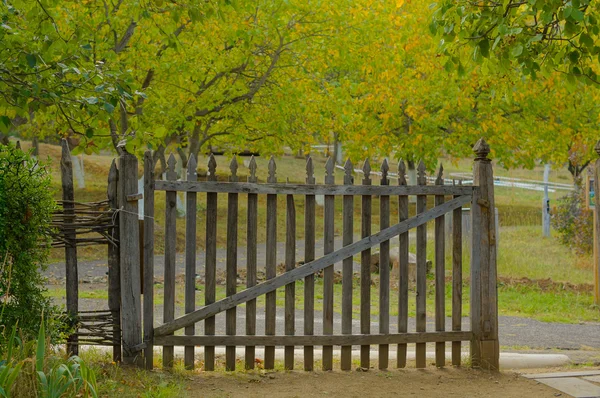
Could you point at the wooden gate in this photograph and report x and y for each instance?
(483, 333)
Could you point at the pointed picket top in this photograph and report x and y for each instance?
(252, 168)
(597, 148)
(212, 168)
(348, 169)
(171, 162)
(481, 149)
(112, 172)
(310, 171)
(440, 177)
(366, 169)
(272, 178)
(401, 173)
(385, 168)
(421, 179)
(329, 169)
(192, 168)
(171, 173)
(233, 166)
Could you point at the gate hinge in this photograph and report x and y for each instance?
(134, 197)
(483, 203)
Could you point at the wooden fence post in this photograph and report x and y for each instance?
(72, 285)
(484, 296)
(149, 258)
(131, 311)
(114, 274)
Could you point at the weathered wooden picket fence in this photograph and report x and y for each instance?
(483, 334)
(75, 224)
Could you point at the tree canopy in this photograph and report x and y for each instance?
(236, 75)
(536, 36)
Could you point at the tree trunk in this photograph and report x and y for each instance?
(336, 148)
(36, 147)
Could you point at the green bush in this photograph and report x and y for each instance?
(574, 222)
(32, 368)
(26, 206)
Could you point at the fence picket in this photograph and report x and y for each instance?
(210, 269)
(190, 259)
(402, 268)
(421, 270)
(148, 259)
(384, 270)
(290, 288)
(251, 241)
(231, 266)
(440, 277)
(328, 239)
(456, 282)
(170, 256)
(309, 255)
(365, 271)
(271, 267)
(347, 270)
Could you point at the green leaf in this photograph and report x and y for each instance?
(484, 47)
(31, 60)
(517, 50)
(567, 11)
(586, 40)
(4, 124)
(448, 66)
(577, 15)
(91, 100)
(109, 107)
(574, 56)
(89, 132)
(535, 38)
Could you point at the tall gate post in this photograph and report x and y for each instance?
(131, 313)
(68, 196)
(485, 350)
(114, 262)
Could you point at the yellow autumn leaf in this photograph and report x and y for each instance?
(399, 3)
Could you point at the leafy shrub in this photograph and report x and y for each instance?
(574, 222)
(26, 207)
(31, 368)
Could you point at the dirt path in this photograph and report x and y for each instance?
(397, 383)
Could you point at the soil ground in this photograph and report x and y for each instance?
(411, 382)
